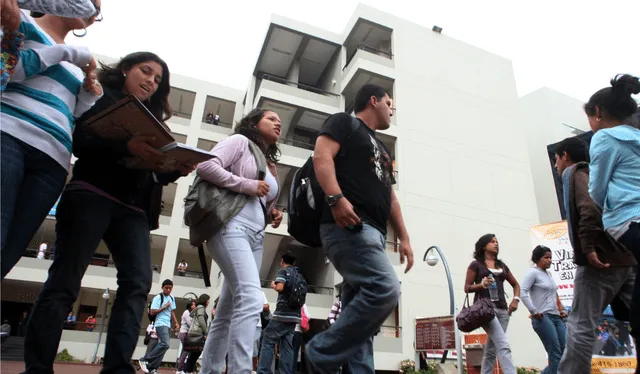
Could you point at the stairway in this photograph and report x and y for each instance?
(13, 349)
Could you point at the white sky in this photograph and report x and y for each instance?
(572, 46)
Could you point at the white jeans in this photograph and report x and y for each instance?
(497, 342)
(238, 252)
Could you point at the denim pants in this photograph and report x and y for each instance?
(155, 357)
(238, 252)
(373, 289)
(256, 341)
(497, 344)
(83, 219)
(631, 240)
(280, 333)
(31, 183)
(552, 333)
(593, 290)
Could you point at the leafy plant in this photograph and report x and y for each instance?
(65, 356)
(527, 370)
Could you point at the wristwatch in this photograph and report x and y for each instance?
(332, 200)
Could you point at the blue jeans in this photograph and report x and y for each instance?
(154, 358)
(552, 333)
(371, 293)
(31, 183)
(281, 333)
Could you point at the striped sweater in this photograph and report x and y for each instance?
(45, 93)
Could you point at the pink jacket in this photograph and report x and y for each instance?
(234, 168)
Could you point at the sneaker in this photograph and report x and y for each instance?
(143, 366)
(154, 371)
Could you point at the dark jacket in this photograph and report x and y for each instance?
(586, 224)
(100, 164)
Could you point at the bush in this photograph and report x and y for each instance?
(528, 370)
(65, 356)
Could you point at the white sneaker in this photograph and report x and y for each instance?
(143, 366)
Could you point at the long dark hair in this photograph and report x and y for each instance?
(112, 77)
(616, 100)
(247, 127)
(478, 253)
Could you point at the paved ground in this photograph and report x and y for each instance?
(16, 367)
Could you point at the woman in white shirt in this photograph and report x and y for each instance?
(540, 296)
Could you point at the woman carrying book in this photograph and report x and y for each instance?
(106, 200)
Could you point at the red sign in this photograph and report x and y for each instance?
(435, 333)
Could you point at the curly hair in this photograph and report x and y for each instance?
(112, 77)
(247, 127)
(481, 244)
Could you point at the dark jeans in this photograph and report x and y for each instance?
(370, 293)
(192, 360)
(282, 334)
(31, 183)
(83, 219)
(631, 240)
(552, 333)
(155, 357)
(297, 343)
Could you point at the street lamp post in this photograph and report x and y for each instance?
(106, 297)
(432, 260)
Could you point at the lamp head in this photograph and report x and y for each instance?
(432, 259)
(106, 294)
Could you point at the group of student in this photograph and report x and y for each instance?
(55, 88)
(601, 199)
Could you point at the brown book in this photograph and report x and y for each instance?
(126, 119)
(174, 154)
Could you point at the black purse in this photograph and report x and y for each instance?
(193, 343)
(475, 316)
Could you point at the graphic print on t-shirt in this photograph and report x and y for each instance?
(381, 161)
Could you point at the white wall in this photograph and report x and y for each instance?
(543, 114)
(462, 151)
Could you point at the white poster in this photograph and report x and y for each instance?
(614, 348)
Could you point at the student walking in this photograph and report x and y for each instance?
(162, 308)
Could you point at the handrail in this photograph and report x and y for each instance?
(297, 143)
(366, 48)
(220, 124)
(189, 273)
(301, 86)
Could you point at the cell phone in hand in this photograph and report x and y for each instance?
(261, 175)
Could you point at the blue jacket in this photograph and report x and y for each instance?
(614, 180)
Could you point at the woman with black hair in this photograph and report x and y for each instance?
(238, 247)
(199, 319)
(484, 272)
(614, 179)
(106, 200)
(540, 296)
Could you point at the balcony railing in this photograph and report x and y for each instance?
(366, 48)
(391, 331)
(189, 273)
(297, 143)
(301, 86)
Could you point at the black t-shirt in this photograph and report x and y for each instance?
(364, 169)
(481, 272)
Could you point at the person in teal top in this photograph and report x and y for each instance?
(614, 181)
(162, 308)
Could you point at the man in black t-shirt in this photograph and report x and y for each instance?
(354, 169)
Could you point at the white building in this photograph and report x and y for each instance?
(467, 165)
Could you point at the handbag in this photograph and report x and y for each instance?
(476, 315)
(194, 341)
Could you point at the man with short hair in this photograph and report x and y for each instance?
(355, 171)
(162, 307)
(605, 268)
(283, 322)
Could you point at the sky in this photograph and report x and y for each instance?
(574, 47)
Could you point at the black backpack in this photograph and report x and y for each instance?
(152, 318)
(297, 289)
(306, 200)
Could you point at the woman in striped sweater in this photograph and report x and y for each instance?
(52, 85)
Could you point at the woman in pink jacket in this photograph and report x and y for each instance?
(238, 247)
